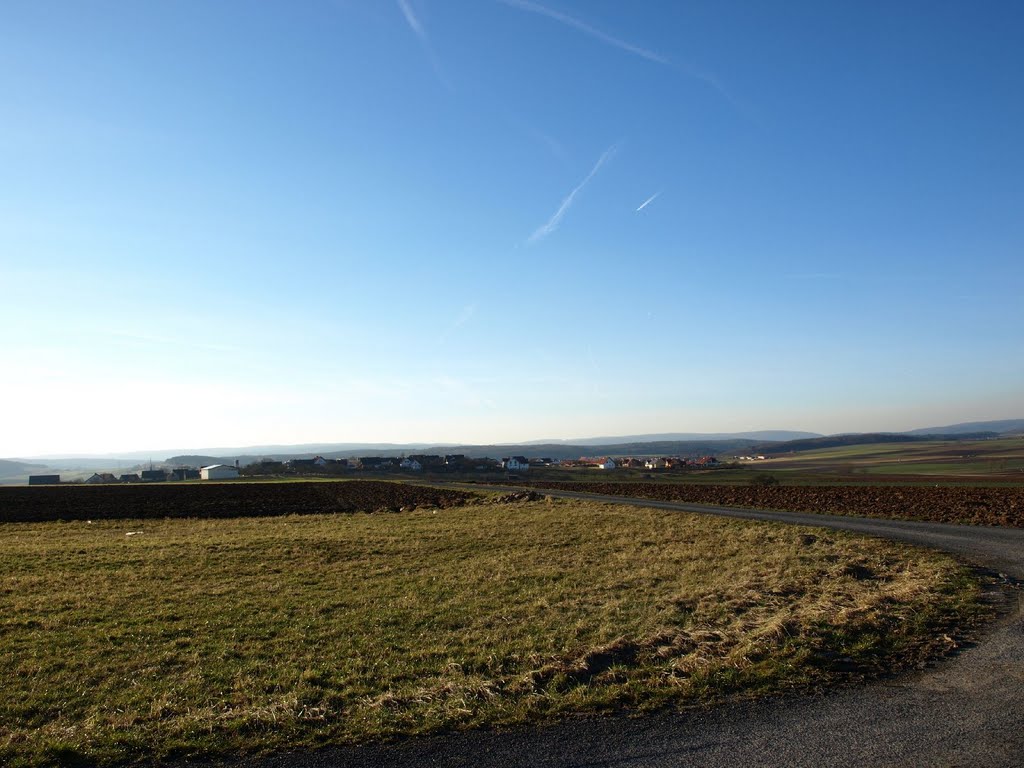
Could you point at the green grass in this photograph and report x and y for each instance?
(998, 461)
(945, 469)
(214, 637)
(1002, 447)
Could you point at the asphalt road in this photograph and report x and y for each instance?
(967, 711)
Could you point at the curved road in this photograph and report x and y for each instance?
(968, 711)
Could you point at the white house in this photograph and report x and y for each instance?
(218, 472)
(606, 464)
(411, 464)
(516, 464)
(655, 464)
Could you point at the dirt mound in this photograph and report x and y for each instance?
(519, 497)
(218, 500)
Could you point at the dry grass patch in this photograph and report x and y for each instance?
(205, 637)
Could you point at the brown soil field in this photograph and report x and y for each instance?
(946, 504)
(39, 504)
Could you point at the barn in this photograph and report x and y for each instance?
(218, 472)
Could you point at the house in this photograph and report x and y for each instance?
(218, 472)
(376, 463)
(317, 462)
(456, 462)
(606, 464)
(428, 459)
(153, 476)
(410, 464)
(334, 466)
(44, 479)
(515, 464)
(185, 473)
(130, 478)
(655, 464)
(100, 477)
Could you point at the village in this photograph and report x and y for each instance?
(320, 466)
(460, 463)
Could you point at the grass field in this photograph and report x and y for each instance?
(999, 461)
(131, 641)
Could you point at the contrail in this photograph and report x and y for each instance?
(527, 5)
(464, 317)
(413, 21)
(648, 201)
(709, 79)
(421, 33)
(553, 222)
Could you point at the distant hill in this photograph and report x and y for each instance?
(537, 450)
(1005, 426)
(767, 435)
(310, 449)
(834, 441)
(575, 450)
(89, 463)
(660, 448)
(347, 450)
(18, 471)
(8, 466)
(668, 443)
(190, 460)
(166, 454)
(838, 441)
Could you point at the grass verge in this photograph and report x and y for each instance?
(128, 642)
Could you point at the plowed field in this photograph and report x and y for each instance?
(974, 506)
(217, 500)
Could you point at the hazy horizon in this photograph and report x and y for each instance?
(159, 454)
(479, 222)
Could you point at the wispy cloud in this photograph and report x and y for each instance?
(582, 26)
(709, 79)
(545, 139)
(421, 33)
(552, 224)
(714, 82)
(647, 202)
(464, 317)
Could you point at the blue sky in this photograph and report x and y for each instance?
(234, 223)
